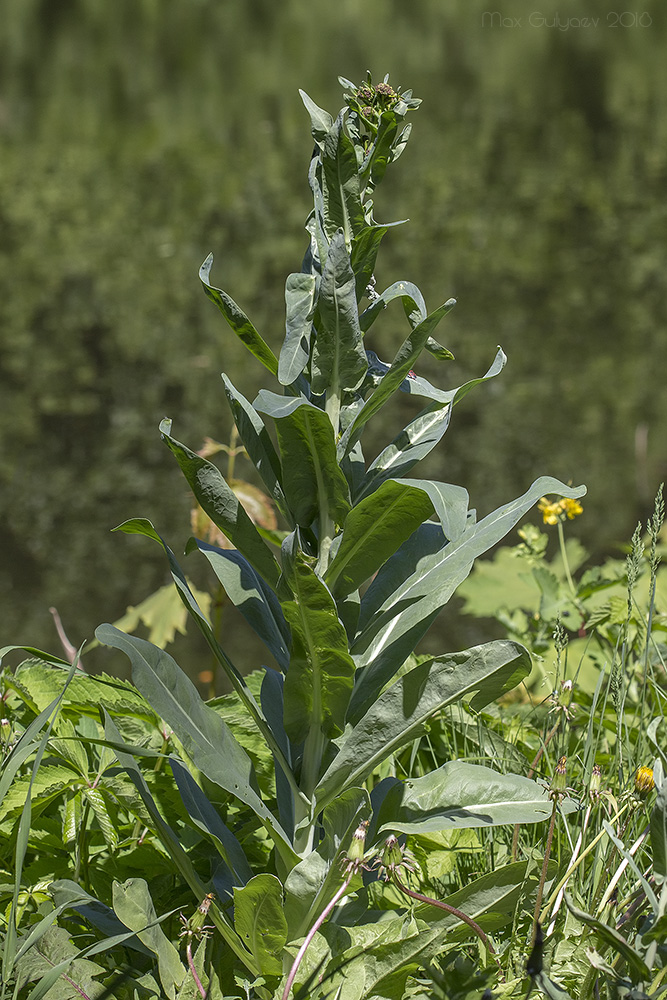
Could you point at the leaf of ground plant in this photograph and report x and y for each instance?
(75, 980)
(260, 921)
(133, 906)
(460, 795)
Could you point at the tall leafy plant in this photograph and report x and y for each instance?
(368, 558)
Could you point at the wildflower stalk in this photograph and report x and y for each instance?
(191, 964)
(312, 932)
(536, 759)
(566, 564)
(545, 866)
(454, 911)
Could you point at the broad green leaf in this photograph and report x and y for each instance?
(67, 894)
(141, 526)
(382, 153)
(459, 795)
(134, 907)
(372, 532)
(611, 937)
(206, 817)
(257, 442)
(315, 483)
(413, 586)
(365, 246)
(203, 734)
(222, 505)
(247, 591)
(340, 184)
(260, 922)
(410, 295)
(75, 976)
(339, 360)
(400, 712)
(405, 358)
(314, 881)
(47, 784)
(299, 305)
(97, 802)
(321, 671)
(238, 320)
(320, 120)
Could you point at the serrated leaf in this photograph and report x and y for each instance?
(163, 613)
(95, 799)
(238, 320)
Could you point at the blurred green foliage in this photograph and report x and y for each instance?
(138, 135)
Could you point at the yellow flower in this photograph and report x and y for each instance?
(644, 783)
(571, 507)
(550, 511)
(554, 512)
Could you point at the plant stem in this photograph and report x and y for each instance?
(198, 984)
(454, 911)
(311, 934)
(545, 865)
(566, 564)
(536, 759)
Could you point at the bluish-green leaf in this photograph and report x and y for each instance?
(339, 359)
(260, 922)
(421, 435)
(459, 795)
(238, 320)
(340, 183)
(320, 120)
(134, 907)
(247, 591)
(365, 246)
(410, 295)
(204, 735)
(319, 680)
(257, 442)
(405, 358)
(417, 582)
(372, 532)
(658, 827)
(314, 483)
(222, 505)
(400, 712)
(299, 305)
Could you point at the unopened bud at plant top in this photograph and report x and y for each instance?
(5, 731)
(644, 783)
(596, 783)
(559, 782)
(197, 919)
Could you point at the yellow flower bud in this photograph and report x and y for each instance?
(644, 783)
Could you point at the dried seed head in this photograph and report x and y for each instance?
(559, 780)
(596, 783)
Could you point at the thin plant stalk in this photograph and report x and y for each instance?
(312, 932)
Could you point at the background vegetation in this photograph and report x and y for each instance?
(138, 136)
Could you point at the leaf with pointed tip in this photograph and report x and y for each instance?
(421, 435)
(321, 121)
(260, 921)
(222, 505)
(134, 907)
(416, 583)
(315, 482)
(299, 305)
(413, 303)
(257, 442)
(248, 592)
(340, 183)
(321, 671)
(400, 712)
(365, 246)
(204, 735)
(611, 937)
(339, 360)
(405, 358)
(372, 532)
(238, 320)
(460, 795)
